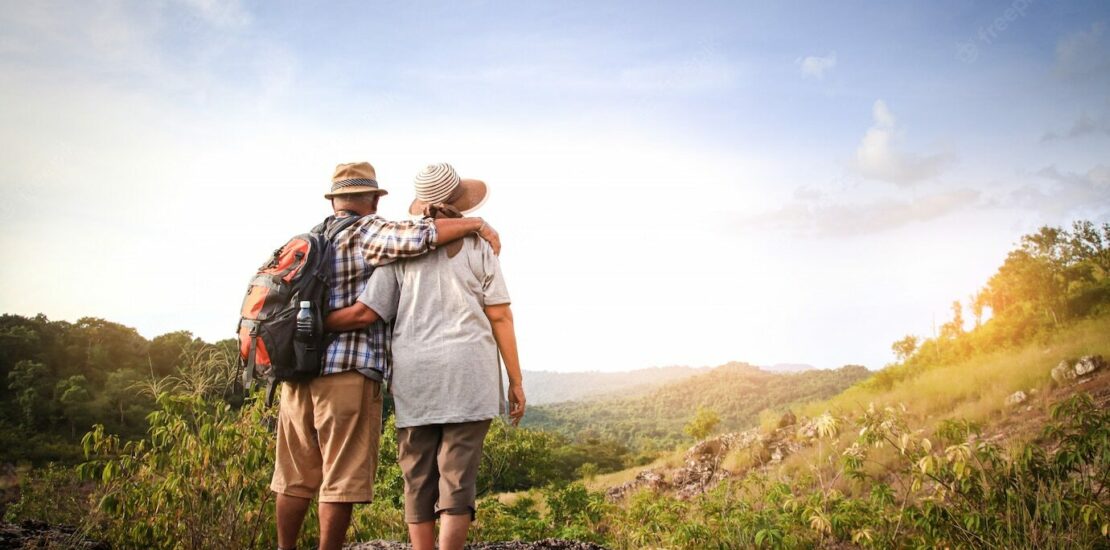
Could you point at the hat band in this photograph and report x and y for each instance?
(335, 186)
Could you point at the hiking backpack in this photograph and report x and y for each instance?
(301, 270)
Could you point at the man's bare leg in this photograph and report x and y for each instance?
(452, 531)
(290, 516)
(423, 535)
(335, 517)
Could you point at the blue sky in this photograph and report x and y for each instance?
(675, 183)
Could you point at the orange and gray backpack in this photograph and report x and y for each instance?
(270, 347)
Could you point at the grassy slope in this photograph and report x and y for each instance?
(973, 390)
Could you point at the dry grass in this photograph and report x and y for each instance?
(769, 420)
(972, 390)
(602, 482)
(976, 389)
(741, 460)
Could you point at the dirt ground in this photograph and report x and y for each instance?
(549, 544)
(37, 534)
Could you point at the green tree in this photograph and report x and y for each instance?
(167, 351)
(27, 381)
(520, 458)
(72, 394)
(704, 422)
(954, 328)
(17, 342)
(1091, 243)
(905, 347)
(120, 390)
(93, 347)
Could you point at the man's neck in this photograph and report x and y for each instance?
(350, 212)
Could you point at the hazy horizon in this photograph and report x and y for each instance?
(691, 184)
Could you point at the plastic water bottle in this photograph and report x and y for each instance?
(305, 322)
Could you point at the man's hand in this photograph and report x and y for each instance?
(516, 403)
(489, 234)
(449, 230)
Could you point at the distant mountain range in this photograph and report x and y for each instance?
(543, 387)
(788, 367)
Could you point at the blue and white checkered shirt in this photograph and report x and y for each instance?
(370, 242)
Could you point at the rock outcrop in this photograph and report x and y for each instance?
(1016, 398)
(701, 469)
(1088, 364)
(1063, 373)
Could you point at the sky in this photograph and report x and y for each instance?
(674, 183)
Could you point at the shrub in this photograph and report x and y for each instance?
(53, 494)
(201, 479)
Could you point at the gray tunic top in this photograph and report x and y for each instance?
(445, 366)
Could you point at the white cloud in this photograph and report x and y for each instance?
(1068, 193)
(1085, 125)
(816, 66)
(878, 158)
(220, 13)
(1084, 53)
(810, 213)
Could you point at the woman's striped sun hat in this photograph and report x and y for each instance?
(439, 183)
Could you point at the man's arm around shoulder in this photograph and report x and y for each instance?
(453, 229)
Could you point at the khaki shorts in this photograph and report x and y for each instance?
(328, 432)
(440, 465)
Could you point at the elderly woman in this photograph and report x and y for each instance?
(452, 316)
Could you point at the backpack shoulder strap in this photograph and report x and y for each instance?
(332, 225)
(271, 389)
(339, 224)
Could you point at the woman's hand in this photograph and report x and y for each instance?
(516, 403)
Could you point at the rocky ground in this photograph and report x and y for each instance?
(552, 544)
(1028, 411)
(39, 535)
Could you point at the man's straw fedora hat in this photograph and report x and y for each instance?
(354, 178)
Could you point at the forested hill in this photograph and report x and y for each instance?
(58, 378)
(543, 387)
(737, 392)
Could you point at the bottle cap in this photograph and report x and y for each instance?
(306, 304)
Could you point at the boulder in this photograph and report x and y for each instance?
(808, 430)
(1016, 398)
(653, 479)
(1063, 373)
(787, 419)
(1088, 364)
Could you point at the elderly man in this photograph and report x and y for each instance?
(328, 429)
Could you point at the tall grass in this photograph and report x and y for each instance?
(976, 388)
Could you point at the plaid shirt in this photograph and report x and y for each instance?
(370, 242)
